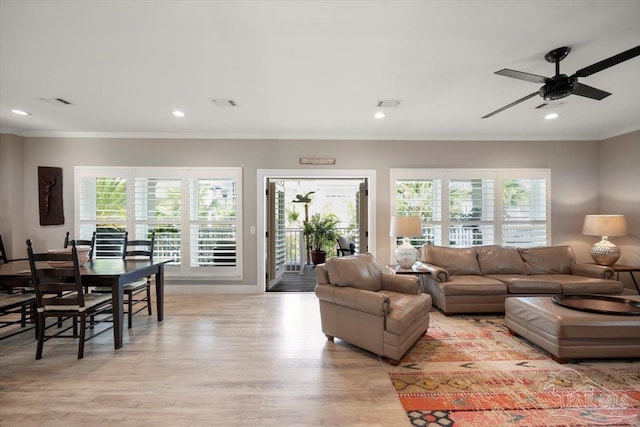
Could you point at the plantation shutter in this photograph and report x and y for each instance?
(158, 208)
(524, 212)
(471, 212)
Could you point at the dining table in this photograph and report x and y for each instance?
(111, 272)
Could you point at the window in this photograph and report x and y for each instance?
(194, 212)
(524, 211)
(469, 207)
(212, 222)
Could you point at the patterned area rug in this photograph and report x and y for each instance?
(469, 371)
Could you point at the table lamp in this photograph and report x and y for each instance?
(405, 227)
(604, 252)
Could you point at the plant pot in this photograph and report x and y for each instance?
(318, 257)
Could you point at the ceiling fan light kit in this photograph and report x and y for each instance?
(560, 86)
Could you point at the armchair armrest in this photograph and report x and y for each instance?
(438, 273)
(366, 301)
(400, 283)
(593, 270)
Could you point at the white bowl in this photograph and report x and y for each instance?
(83, 256)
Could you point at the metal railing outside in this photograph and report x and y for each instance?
(296, 253)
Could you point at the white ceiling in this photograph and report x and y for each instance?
(311, 69)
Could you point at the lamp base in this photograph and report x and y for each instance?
(605, 253)
(406, 255)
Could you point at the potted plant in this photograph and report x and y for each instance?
(322, 231)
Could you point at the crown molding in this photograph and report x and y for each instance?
(9, 131)
(250, 136)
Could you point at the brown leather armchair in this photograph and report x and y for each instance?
(380, 312)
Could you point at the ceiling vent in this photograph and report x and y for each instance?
(56, 101)
(388, 103)
(223, 102)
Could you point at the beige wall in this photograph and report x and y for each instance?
(11, 195)
(620, 189)
(574, 168)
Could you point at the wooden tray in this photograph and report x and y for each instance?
(599, 304)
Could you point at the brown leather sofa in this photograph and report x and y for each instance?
(380, 312)
(479, 279)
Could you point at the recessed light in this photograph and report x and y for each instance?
(20, 112)
(178, 113)
(551, 116)
(379, 115)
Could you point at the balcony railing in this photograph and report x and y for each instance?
(296, 254)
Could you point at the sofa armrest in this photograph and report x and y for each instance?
(322, 276)
(405, 284)
(366, 301)
(438, 273)
(593, 270)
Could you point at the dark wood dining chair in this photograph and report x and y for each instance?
(17, 300)
(80, 242)
(60, 294)
(17, 312)
(137, 295)
(138, 292)
(109, 244)
(13, 284)
(3, 254)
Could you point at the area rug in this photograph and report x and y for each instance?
(467, 370)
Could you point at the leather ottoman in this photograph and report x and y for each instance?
(573, 334)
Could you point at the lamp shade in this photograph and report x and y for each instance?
(604, 225)
(405, 226)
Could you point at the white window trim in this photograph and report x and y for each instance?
(130, 173)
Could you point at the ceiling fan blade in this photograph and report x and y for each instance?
(531, 95)
(609, 62)
(521, 75)
(589, 92)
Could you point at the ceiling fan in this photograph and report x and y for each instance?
(561, 85)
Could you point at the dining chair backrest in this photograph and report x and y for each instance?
(109, 244)
(80, 242)
(139, 249)
(3, 254)
(59, 286)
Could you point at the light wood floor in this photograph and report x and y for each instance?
(215, 360)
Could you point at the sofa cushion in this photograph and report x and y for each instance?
(500, 260)
(521, 284)
(548, 259)
(473, 285)
(358, 271)
(454, 260)
(585, 285)
(405, 310)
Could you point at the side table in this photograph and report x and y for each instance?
(396, 269)
(620, 268)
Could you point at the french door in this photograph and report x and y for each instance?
(276, 233)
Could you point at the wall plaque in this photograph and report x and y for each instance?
(50, 195)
